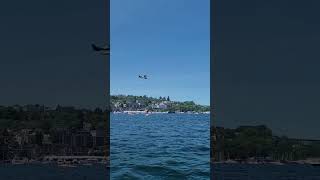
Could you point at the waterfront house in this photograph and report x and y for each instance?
(163, 106)
(81, 139)
(46, 139)
(97, 137)
(86, 126)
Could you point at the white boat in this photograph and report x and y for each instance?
(86, 164)
(312, 161)
(229, 161)
(276, 163)
(19, 161)
(66, 165)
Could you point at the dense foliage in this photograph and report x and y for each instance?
(126, 102)
(258, 141)
(41, 117)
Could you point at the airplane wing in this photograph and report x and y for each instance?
(107, 48)
(96, 48)
(105, 53)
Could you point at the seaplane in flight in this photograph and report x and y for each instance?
(143, 77)
(104, 50)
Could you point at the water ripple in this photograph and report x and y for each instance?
(165, 146)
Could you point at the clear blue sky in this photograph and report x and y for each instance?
(167, 40)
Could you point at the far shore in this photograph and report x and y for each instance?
(308, 161)
(157, 112)
(63, 161)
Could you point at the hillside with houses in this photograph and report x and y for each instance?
(161, 104)
(32, 132)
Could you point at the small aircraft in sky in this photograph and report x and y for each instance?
(104, 50)
(143, 77)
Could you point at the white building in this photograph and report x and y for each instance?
(163, 106)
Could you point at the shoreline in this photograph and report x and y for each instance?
(311, 162)
(61, 161)
(157, 112)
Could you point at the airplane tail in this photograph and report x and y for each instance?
(94, 47)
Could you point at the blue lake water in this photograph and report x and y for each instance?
(264, 172)
(52, 172)
(160, 146)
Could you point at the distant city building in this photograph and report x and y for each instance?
(163, 106)
(98, 137)
(117, 105)
(134, 105)
(46, 139)
(87, 126)
(82, 139)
